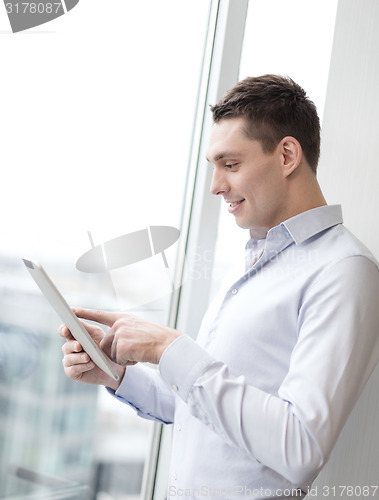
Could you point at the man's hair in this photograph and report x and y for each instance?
(273, 106)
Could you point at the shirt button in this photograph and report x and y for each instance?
(174, 477)
(234, 291)
(175, 387)
(178, 427)
(213, 335)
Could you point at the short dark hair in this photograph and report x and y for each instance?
(274, 106)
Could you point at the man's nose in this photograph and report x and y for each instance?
(219, 184)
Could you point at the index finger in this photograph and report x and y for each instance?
(104, 317)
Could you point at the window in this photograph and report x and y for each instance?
(97, 116)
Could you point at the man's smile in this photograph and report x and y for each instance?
(233, 205)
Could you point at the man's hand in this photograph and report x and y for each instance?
(78, 365)
(130, 339)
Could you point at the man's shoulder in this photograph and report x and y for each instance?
(338, 254)
(340, 243)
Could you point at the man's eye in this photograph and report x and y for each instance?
(231, 165)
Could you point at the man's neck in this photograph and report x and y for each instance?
(303, 195)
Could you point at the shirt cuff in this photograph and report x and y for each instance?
(134, 385)
(182, 363)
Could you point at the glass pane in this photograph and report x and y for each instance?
(97, 110)
(291, 38)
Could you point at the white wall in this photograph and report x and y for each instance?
(349, 174)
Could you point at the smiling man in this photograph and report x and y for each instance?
(287, 346)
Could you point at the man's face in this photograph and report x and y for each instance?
(249, 180)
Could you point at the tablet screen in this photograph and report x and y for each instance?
(64, 311)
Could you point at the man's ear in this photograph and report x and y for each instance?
(291, 154)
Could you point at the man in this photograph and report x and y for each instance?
(286, 348)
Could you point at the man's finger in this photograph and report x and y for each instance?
(71, 346)
(76, 359)
(65, 332)
(103, 317)
(107, 343)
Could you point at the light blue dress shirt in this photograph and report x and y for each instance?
(282, 355)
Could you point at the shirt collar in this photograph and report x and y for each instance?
(296, 230)
(309, 223)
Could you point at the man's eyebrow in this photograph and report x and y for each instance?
(224, 154)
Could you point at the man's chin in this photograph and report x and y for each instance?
(257, 232)
(242, 225)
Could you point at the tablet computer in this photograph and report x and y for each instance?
(63, 310)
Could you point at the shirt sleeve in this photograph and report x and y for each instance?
(293, 432)
(143, 389)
